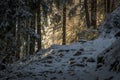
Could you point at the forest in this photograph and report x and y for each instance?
(59, 39)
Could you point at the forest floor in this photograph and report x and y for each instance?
(77, 61)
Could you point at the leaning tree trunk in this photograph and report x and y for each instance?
(111, 55)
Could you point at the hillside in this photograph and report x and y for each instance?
(97, 59)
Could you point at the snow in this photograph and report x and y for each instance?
(76, 61)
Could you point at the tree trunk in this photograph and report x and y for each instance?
(39, 27)
(105, 8)
(110, 57)
(28, 23)
(108, 6)
(32, 41)
(87, 14)
(64, 25)
(112, 5)
(93, 13)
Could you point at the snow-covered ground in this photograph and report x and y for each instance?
(77, 61)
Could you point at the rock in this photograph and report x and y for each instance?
(49, 57)
(100, 59)
(58, 59)
(90, 60)
(60, 54)
(107, 51)
(49, 61)
(60, 50)
(60, 72)
(11, 78)
(117, 34)
(73, 49)
(63, 50)
(72, 59)
(2, 66)
(115, 66)
(85, 71)
(71, 62)
(19, 74)
(81, 49)
(47, 65)
(82, 40)
(110, 78)
(67, 50)
(54, 78)
(77, 53)
(97, 78)
(99, 65)
(84, 58)
(72, 73)
(52, 51)
(79, 64)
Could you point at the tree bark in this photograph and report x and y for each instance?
(87, 13)
(32, 38)
(93, 13)
(64, 25)
(108, 6)
(39, 42)
(111, 56)
(105, 8)
(112, 5)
